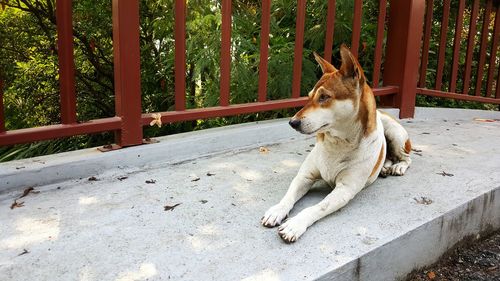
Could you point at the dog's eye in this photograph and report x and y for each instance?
(323, 98)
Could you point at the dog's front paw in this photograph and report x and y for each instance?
(292, 229)
(275, 215)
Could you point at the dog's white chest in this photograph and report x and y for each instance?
(331, 163)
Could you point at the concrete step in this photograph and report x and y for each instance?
(112, 229)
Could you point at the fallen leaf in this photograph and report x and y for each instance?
(492, 268)
(156, 120)
(210, 174)
(93, 179)
(195, 179)
(424, 200)
(263, 149)
(203, 201)
(18, 168)
(486, 120)
(28, 191)
(24, 252)
(150, 141)
(151, 181)
(171, 208)
(431, 275)
(16, 204)
(122, 178)
(445, 174)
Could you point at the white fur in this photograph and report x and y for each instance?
(345, 159)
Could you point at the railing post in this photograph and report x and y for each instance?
(64, 19)
(2, 118)
(127, 71)
(406, 21)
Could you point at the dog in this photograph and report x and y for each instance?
(354, 144)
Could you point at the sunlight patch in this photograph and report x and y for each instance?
(290, 163)
(264, 275)
(32, 231)
(147, 270)
(87, 200)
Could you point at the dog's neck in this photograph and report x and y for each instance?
(352, 130)
(349, 133)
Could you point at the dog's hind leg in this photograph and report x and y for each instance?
(398, 147)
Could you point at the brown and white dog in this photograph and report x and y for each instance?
(352, 139)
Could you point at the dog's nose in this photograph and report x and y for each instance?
(295, 123)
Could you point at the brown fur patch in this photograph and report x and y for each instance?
(379, 161)
(408, 146)
(320, 137)
(310, 105)
(367, 110)
(335, 86)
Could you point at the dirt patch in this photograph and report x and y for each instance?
(476, 261)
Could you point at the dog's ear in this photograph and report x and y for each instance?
(350, 66)
(326, 67)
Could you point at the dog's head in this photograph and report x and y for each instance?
(336, 97)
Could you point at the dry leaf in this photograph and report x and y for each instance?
(122, 178)
(485, 120)
(445, 174)
(151, 181)
(210, 174)
(263, 149)
(93, 179)
(156, 120)
(194, 177)
(424, 200)
(16, 204)
(171, 208)
(28, 191)
(203, 201)
(24, 252)
(431, 275)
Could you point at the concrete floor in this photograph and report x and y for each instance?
(116, 228)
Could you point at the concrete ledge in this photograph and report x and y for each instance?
(425, 244)
(176, 148)
(112, 229)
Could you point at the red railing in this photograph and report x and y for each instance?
(479, 65)
(400, 70)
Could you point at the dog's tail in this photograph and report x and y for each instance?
(398, 146)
